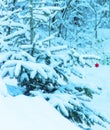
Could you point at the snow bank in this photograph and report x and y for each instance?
(97, 77)
(27, 113)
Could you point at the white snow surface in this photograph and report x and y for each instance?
(98, 77)
(28, 113)
(100, 103)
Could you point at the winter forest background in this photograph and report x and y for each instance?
(45, 44)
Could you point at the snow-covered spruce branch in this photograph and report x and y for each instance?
(12, 24)
(39, 44)
(83, 59)
(29, 73)
(4, 56)
(3, 4)
(53, 8)
(20, 32)
(66, 101)
(98, 118)
(13, 55)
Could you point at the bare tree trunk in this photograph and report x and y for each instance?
(95, 28)
(62, 29)
(12, 9)
(31, 27)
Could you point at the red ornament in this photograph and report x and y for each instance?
(96, 65)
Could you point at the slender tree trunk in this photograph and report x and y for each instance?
(95, 29)
(50, 30)
(31, 27)
(62, 29)
(12, 9)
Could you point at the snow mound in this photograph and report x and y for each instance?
(28, 113)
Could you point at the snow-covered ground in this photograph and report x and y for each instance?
(100, 77)
(20, 112)
(27, 113)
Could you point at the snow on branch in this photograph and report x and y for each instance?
(39, 43)
(20, 32)
(16, 24)
(5, 56)
(3, 3)
(91, 57)
(58, 48)
(52, 36)
(16, 67)
(53, 8)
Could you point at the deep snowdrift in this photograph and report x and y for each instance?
(27, 113)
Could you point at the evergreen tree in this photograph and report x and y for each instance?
(35, 51)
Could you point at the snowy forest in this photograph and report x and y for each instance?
(49, 48)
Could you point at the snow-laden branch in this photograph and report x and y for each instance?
(53, 8)
(17, 33)
(12, 24)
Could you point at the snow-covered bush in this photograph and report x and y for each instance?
(48, 70)
(69, 100)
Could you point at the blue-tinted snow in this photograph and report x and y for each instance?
(27, 113)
